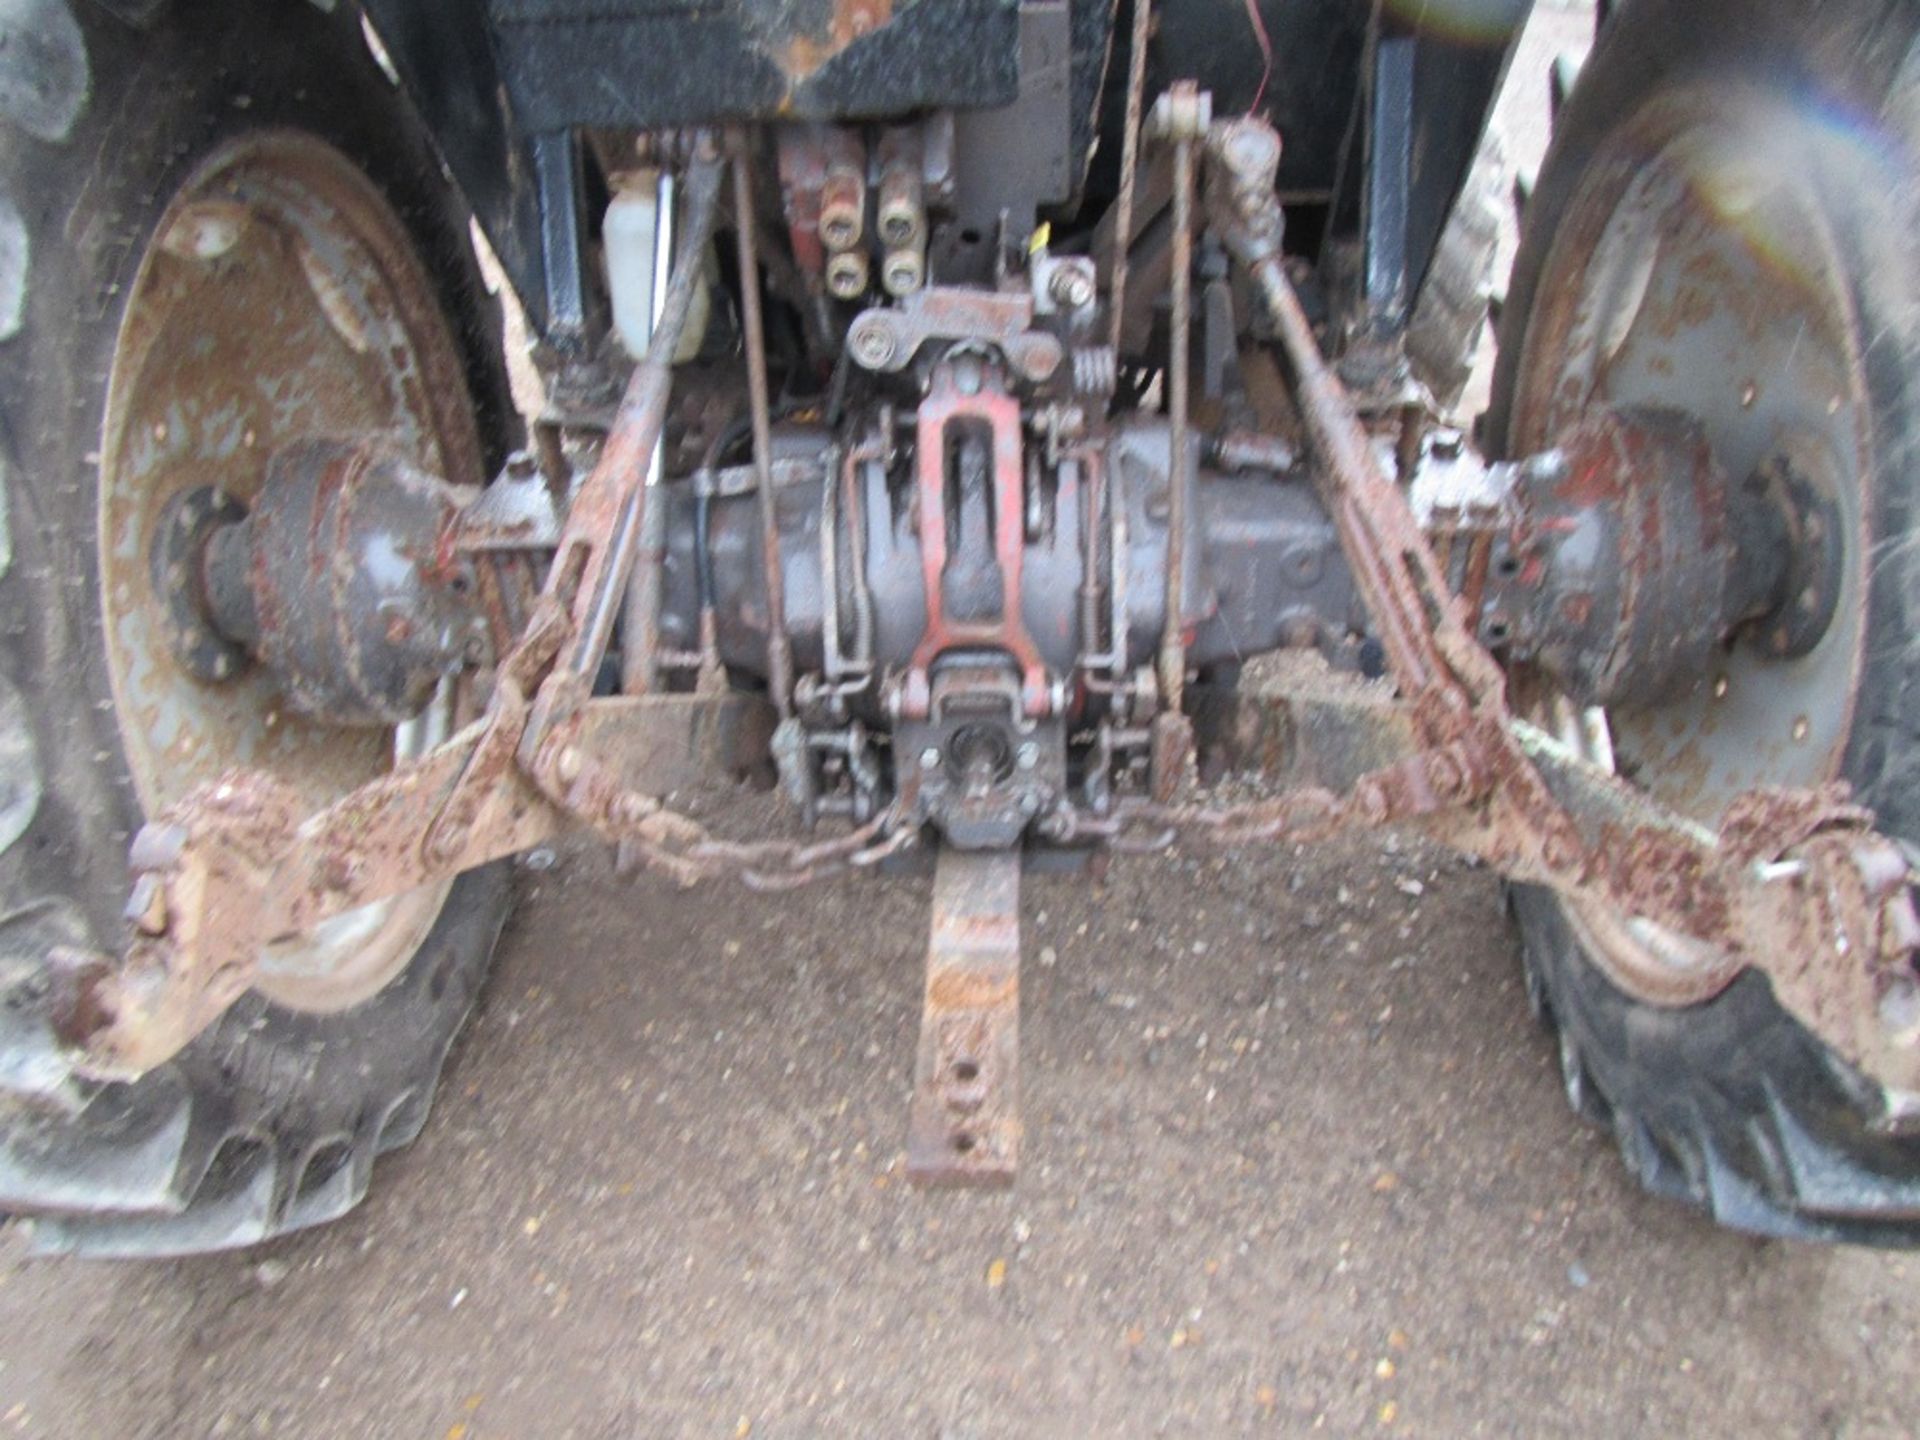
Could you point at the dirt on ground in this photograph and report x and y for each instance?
(1296, 1159)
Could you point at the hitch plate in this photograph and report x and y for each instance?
(964, 1124)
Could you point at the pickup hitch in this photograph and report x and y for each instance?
(1795, 883)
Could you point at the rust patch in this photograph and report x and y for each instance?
(963, 1126)
(800, 55)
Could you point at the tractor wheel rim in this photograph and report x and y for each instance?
(1697, 270)
(278, 298)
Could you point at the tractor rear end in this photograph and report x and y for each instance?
(946, 412)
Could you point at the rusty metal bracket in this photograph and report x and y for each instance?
(235, 866)
(1796, 883)
(963, 1127)
(888, 337)
(965, 391)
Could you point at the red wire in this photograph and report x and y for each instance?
(1266, 52)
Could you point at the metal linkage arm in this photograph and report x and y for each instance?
(234, 866)
(1795, 883)
(1430, 650)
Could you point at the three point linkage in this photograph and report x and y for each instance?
(982, 754)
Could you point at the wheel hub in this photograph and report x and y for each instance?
(346, 582)
(178, 554)
(279, 299)
(1693, 271)
(1626, 559)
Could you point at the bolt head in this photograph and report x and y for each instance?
(1181, 113)
(1071, 288)
(1562, 851)
(630, 809)
(1371, 801)
(1252, 148)
(147, 905)
(872, 343)
(930, 758)
(1444, 777)
(1035, 355)
(567, 764)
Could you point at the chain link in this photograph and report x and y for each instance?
(680, 847)
(1421, 784)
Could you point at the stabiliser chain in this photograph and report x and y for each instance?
(1796, 883)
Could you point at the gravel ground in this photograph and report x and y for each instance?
(1296, 1160)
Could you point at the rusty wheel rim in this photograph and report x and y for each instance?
(1697, 269)
(278, 298)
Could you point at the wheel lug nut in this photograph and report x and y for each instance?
(205, 231)
(147, 905)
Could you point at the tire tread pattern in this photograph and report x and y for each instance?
(271, 1121)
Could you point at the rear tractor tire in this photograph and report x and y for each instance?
(1726, 225)
(200, 219)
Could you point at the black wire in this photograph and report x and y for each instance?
(837, 388)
